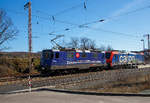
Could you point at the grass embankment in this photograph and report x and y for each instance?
(15, 65)
(130, 85)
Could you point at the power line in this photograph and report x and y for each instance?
(65, 10)
(98, 29)
(84, 25)
(130, 12)
(113, 32)
(111, 18)
(102, 20)
(68, 9)
(22, 13)
(52, 16)
(73, 7)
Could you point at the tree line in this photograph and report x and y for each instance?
(84, 43)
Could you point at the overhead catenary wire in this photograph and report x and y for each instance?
(113, 32)
(53, 16)
(130, 12)
(68, 9)
(112, 17)
(63, 11)
(58, 13)
(84, 26)
(108, 18)
(102, 20)
(85, 7)
(98, 29)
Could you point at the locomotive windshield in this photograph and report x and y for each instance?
(47, 54)
(107, 55)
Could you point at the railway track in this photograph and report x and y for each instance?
(72, 80)
(104, 76)
(38, 75)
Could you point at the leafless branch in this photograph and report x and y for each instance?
(7, 30)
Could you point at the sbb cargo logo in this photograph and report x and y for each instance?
(124, 59)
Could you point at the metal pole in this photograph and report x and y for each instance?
(148, 40)
(147, 35)
(28, 5)
(30, 44)
(143, 44)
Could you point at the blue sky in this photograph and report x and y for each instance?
(129, 28)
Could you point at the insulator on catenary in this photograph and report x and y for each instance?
(85, 6)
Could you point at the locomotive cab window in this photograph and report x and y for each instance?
(56, 55)
(52, 55)
(115, 57)
(47, 55)
(107, 55)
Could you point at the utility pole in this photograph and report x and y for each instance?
(28, 5)
(147, 35)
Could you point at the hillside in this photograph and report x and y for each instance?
(12, 63)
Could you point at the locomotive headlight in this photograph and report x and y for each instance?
(43, 68)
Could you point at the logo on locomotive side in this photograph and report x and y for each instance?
(124, 59)
(77, 55)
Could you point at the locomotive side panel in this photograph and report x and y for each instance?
(56, 60)
(126, 60)
(84, 60)
(59, 60)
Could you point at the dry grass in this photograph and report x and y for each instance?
(130, 85)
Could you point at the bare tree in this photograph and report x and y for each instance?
(92, 44)
(7, 30)
(84, 43)
(74, 43)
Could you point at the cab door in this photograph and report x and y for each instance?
(59, 58)
(115, 59)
